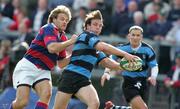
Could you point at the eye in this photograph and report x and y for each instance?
(95, 24)
(64, 19)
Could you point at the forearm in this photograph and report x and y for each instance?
(154, 72)
(109, 49)
(56, 47)
(111, 64)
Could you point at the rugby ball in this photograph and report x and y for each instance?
(126, 66)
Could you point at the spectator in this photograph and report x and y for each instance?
(132, 7)
(77, 4)
(148, 9)
(142, 4)
(157, 32)
(173, 79)
(5, 48)
(174, 13)
(40, 15)
(173, 36)
(5, 22)
(53, 3)
(7, 8)
(21, 44)
(138, 19)
(119, 17)
(159, 29)
(76, 26)
(154, 16)
(21, 16)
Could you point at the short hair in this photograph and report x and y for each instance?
(92, 15)
(135, 27)
(59, 9)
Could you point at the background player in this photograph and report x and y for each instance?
(134, 85)
(44, 52)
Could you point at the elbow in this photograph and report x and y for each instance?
(51, 51)
(101, 47)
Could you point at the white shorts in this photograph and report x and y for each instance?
(27, 74)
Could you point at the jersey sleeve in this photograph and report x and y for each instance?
(93, 41)
(50, 35)
(101, 56)
(151, 58)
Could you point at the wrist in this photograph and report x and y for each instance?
(107, 75)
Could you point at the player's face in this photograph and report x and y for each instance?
(61, 21)
(95, 26)
(135, 38)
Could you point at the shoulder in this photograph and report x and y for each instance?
(47, 26)
(144, 44)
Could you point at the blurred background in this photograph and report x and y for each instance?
(20, 21)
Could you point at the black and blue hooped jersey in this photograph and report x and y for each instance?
(145, 52)
(84, 55)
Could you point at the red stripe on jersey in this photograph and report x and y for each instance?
(56, 32)
(62, 54)
(64, 38)
(49, 38)
(42, 57)
(41, 31)
(40, 43)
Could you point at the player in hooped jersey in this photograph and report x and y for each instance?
(46, 50)
(135, 85)
(87, 52)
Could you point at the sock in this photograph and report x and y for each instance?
(41, 105)
(121, 107)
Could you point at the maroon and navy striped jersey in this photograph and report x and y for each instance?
(38, 53)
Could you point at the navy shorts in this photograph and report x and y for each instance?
(133, 87)
(70, 82)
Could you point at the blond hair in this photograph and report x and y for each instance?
(92, 15)
(59, 9)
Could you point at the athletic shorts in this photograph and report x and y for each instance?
(27, 74)
(133, 87)
(70, 82)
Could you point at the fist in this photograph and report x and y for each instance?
(73, 38)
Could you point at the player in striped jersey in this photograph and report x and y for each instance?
(135, 85)
(46, 50)
(87, 52)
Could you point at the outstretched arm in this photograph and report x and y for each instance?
(109, 49)
(56, 47)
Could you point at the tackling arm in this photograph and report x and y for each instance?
(56, 47)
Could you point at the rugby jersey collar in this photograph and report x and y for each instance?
(135, 49)
(54, 26)
(62, 32)
(90, 33)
